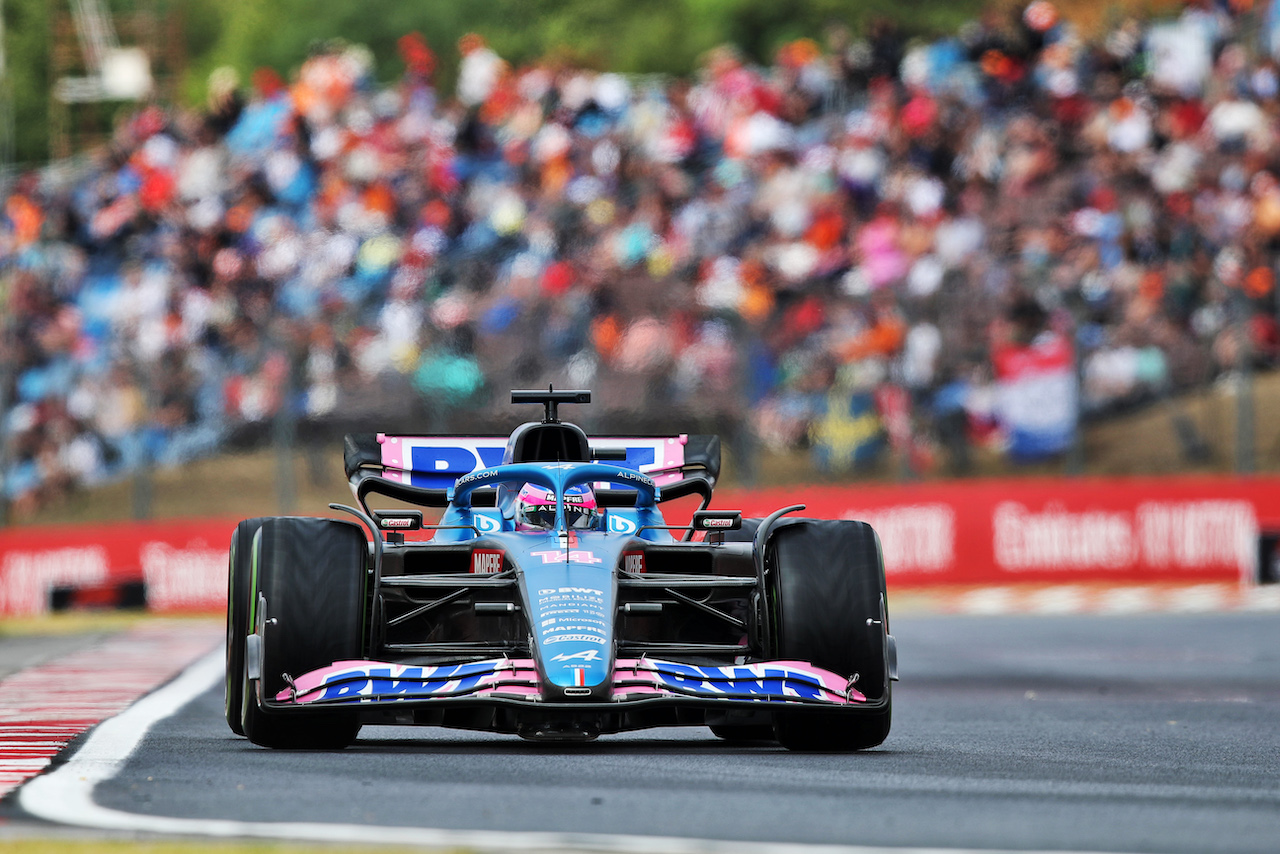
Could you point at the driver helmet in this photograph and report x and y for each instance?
(536, 508)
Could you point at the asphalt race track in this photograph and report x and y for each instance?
(1134, 733)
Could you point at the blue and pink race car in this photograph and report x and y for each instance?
(552, 600)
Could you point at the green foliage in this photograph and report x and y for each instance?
(280, 34)
(632, 36)
(26, 26)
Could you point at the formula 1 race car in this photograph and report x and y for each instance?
(552, 600)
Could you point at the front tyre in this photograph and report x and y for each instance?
(239, 581)
(308, 607)
(829, 607)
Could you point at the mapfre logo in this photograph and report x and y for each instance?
(486, 561)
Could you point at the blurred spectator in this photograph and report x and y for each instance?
(826, 248)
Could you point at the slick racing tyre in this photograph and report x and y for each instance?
(309, 606)
(239, 572)
(828, 607)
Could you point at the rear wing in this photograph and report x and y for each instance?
(420, 468)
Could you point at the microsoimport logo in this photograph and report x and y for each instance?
(621, 525)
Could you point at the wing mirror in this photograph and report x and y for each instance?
(400, 520)
(717, 520)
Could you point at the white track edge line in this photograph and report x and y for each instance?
(65, 796)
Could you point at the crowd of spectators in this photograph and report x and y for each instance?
(760, 244)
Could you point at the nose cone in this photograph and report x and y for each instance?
(568, 583)
(570, 589)
(579, 672)
(574, 633)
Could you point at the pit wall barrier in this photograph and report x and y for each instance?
(990, 532)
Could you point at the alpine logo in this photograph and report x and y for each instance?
(584, 655)
(486, 561)
(634, 476)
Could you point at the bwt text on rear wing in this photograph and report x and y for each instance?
(421, 468)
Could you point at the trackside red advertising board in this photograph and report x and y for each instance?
(182, 562)
(1055, 531)
(965, 533)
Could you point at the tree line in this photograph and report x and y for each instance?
(630, 36)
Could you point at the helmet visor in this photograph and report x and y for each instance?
(537, 515)
(576, 515)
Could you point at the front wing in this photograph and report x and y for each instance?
(374, 683)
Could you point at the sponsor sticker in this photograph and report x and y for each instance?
(582, 626)
(486, 561)
(622, 525)
(637, 477)
(560, 612)
(589, 620)
(391, 681)
(584, 655)
(633, 561)
(570, 604)
(486, 523)
(466, 480)
(578, 638)
(770, 681)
